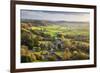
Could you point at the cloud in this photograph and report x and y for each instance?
(55, 16)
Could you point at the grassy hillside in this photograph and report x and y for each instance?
(54, 41)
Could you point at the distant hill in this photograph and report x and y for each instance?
(61, 23)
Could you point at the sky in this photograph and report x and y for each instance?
(55, 15)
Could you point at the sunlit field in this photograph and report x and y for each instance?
(43, 41)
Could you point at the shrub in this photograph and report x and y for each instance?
(60, 35)
(26, 55)
(36, 41)
(27, 38)
(26, 25)
(78, 55)
(38, 56)
(52, 58)
(25, 59)
(67, 54)
(83, 46)
(31, 55)
(24, 50)
(83, 55)
(67, 43)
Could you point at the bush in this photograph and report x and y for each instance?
(25, 59)
(52, 58)
(26, 25)
(26, 55)
(83, 46)
(60, 35)
(36, 41)
(24, 50)
(67, 54)
(67, 43)
(78, 55)
(38, 56)
(27, 38)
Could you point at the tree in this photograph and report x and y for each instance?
(27, 38)
(60, 35)
(67, 54)
(26, 25)
(67, 43)
(27, 55)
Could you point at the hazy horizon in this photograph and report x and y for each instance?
(55, 15)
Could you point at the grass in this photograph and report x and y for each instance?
(53, 29)
(69, 35)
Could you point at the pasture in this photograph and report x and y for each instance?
(54, 42)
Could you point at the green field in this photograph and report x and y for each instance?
(54, 42)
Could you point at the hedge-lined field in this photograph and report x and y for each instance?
(53, 43)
